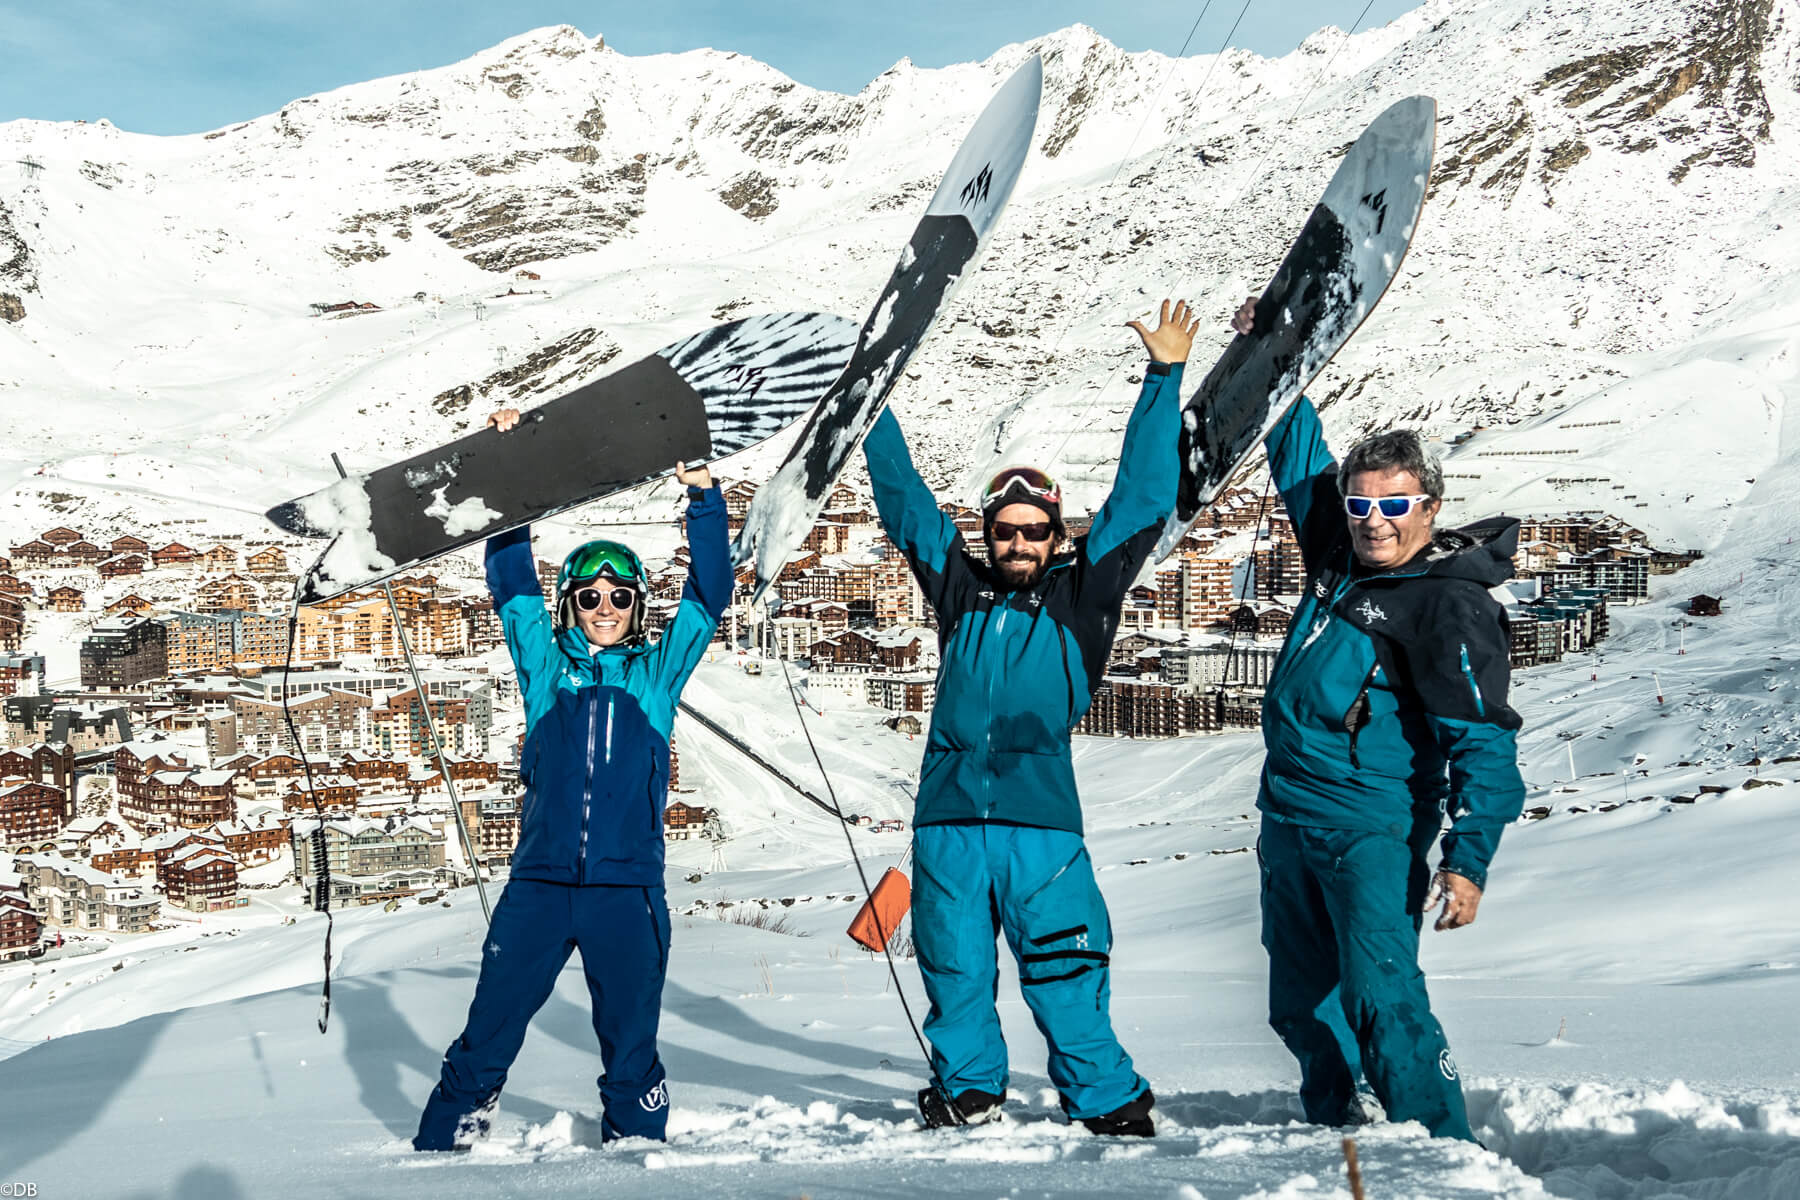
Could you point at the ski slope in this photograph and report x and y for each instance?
(1621, 1010)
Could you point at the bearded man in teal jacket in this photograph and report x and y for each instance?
(1024, 638)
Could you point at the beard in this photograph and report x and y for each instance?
(1020, 570)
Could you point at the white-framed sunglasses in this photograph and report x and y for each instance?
(1391, 507)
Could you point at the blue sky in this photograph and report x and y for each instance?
(182, 66)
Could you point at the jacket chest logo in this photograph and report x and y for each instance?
(1370, 612)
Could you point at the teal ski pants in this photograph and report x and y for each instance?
(976, 881)
(1341, 914)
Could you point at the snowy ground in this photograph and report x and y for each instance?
(1622, 1010)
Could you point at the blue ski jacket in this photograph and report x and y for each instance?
(1387, 705)
(596, 758)
(1017, 669)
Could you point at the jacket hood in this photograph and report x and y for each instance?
(1482, 551)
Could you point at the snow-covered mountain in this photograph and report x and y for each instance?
(1610, 189)
(1599, 280)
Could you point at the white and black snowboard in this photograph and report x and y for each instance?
(706, 396)
(940, 254)
(1330, 281)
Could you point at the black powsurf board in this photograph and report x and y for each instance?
(706, 396)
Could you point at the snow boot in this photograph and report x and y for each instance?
(443, 1129)
(1131, 1119)
(973, 1107)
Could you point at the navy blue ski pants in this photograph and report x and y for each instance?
(1341, 911)
(623, 935)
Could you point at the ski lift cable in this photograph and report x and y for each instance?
(1249, 180)
(868, 893)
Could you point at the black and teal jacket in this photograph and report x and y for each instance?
(1017, 669)
(1387, 706)
(597, 719)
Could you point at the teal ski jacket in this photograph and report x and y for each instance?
(1017, 669)
(596, 758)
(1387, 707)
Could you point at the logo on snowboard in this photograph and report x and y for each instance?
(658, 1096)
(750, 378)
(1378, 202)
(975, 192)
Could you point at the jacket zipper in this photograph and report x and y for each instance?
(1357, 715)
(1320, 624)
(587, 789)
(1469, 674)
(987, 804)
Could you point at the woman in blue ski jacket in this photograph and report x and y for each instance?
(587, 872)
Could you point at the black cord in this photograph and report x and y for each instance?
(893, 972)
(320, 850)
(1249, 575)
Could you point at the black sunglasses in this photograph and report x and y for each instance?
(1037, 531)
(587, 599)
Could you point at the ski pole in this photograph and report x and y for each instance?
(437, 745)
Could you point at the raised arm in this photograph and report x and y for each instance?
(1305, 474)
(1301, 467)
(512, 580)
(707, 592)
(929, 539)
(1143, 492)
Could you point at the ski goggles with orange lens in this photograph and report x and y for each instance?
(1021, 481)
(1391, 507)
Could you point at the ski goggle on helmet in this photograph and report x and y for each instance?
(591, 561)
(1024, 485)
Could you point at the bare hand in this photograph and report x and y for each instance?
(1244, 319)
(1173, 337)
(694, 477)
(1461, 899)
(503, 419)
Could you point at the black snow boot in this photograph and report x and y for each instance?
(973, 1107)
(1131, 1119)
